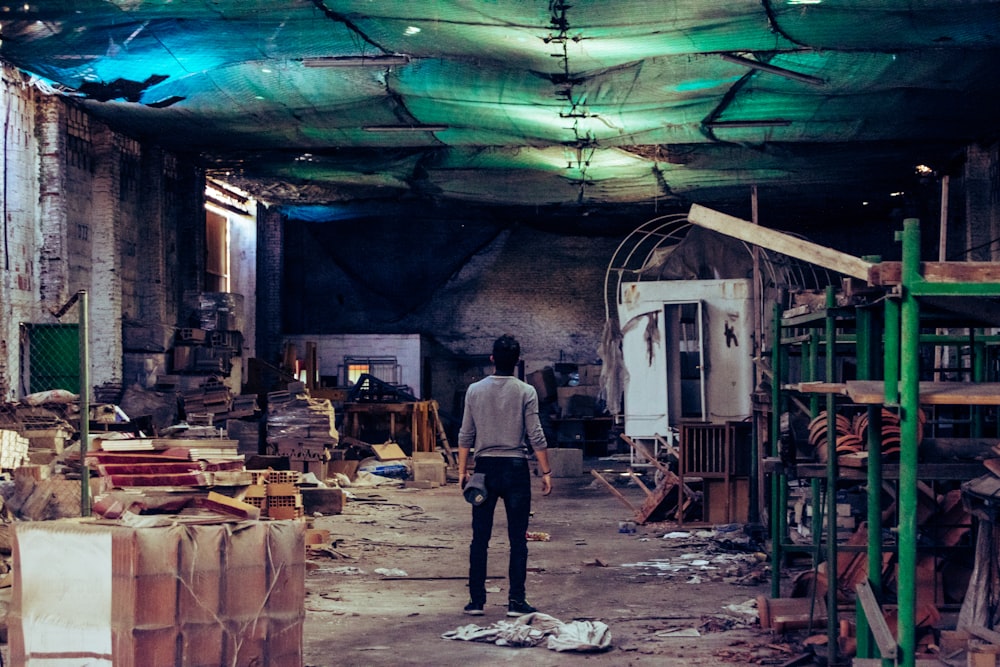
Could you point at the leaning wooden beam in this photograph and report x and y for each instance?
(617, 494)
(786, 244)
(638, 480)
(668, 475)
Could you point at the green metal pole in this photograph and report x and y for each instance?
(890, 362)
(811, 374)
(84, 403)
(867, 371)
(978, 375)
(812, 368)
(908, 424)
(777, 479)
(832, 623)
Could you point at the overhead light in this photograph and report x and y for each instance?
(356, 61)
(780, 71)
(404, 128)
(776, 122)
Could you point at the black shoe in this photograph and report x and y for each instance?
(474, 609)
(519, 608)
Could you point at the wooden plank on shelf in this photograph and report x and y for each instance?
(818, 387)
(890, 273)
(872, 392)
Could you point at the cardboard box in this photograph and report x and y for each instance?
(348, 468)
(544, 382)
(196, 595)
(429, 471)
(389, 451)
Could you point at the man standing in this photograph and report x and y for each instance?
(501, 412)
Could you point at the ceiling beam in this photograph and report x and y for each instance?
(773, 69)
(786, 244)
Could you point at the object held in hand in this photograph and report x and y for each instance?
(475, 489)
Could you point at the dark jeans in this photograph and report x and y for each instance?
(506, 478)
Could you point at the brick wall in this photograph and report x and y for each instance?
(20, 259)
(87, 208)
(545, 289)
(461, 283)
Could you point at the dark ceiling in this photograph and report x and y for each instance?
(553, 104)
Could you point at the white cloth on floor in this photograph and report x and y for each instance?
(535, 628)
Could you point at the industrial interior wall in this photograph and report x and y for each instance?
(88, 208)
(977, 238)
(458, 279)
(22, 236)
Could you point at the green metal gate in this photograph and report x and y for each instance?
(52, 353)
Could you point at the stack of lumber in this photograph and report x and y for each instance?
(172, 462)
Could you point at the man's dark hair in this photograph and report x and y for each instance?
(506, 352)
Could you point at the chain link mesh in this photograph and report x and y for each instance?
(50, 354)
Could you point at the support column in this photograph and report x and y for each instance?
(105, 279)
(53, 256)
(270, 244)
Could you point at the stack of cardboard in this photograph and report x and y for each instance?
(199, 595)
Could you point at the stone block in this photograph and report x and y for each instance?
(566, 462)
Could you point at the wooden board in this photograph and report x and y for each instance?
(786, 244)
(890, 273)
(869, 392)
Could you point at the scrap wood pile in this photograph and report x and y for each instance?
(980, 613)
(941, 579)
(670, 497)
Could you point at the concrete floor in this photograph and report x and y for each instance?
(643, 586)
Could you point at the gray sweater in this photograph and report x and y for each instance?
(500, 412)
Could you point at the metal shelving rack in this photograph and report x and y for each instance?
(906, 285)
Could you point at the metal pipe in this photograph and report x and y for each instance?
(813, 369)
(777, 479)
(890, 364)
(978, 375)
(908, 426)
(867, 371)
(832, 623)
(84, 403)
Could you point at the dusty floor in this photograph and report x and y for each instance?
(394, 582)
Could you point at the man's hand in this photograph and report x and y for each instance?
(546, 484)
(463, 478)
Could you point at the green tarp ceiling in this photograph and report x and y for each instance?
(532, 102)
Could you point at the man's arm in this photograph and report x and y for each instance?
(466, 441)
(463, 464)
(545, 469)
